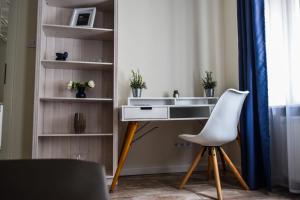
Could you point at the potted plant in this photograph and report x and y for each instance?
(80, 87)
(137, 83)
(209, 84)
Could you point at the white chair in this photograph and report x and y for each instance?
(221, 128)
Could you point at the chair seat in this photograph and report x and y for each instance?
(204, 141)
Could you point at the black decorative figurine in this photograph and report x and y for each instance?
(62, 56)
(176, 94)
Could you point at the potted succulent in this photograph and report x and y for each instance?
(137, 83)
(80, 87)
(209, 84)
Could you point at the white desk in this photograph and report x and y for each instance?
(159, 109)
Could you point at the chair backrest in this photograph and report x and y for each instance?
(221, 127)
(52, 180)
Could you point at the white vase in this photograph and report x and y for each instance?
(209, 92)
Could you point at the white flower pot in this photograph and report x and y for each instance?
(136, 92)
(209, 92)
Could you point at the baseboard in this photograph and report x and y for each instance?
(165, 169)
(159, 170)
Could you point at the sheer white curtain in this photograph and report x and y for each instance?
(283, 58)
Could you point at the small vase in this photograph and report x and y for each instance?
(136, 92)
(80, 92)
(209, 92)
(79, 123)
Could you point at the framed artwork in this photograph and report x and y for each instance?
(83, 17)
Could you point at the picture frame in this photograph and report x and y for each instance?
(83, 17)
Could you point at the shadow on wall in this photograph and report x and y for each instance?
(29, 74)
(19, 90)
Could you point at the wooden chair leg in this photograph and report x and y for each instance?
(216, 171)
(192, 168)
(234, 170)
(131, 130)
(222, 159)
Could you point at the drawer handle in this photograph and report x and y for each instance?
(146, 108)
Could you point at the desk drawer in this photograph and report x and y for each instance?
(145, 113)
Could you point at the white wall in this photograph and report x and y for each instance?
(231, 61)
(172, 43)
(231, 44)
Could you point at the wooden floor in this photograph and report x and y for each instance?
(164, 186)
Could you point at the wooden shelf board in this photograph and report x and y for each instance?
(82, 65)
(105, 5)
(70, 99)
(62, 31)
(76, 135)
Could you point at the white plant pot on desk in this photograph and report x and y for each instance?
(209, 92)
(136, 92)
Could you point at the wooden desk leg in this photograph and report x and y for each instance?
(131, 130)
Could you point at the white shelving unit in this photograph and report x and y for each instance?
(91, 57)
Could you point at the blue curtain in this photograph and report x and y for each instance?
(255, 140)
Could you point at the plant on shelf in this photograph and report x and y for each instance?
(80, 87)
(209, 84)
(137, 83)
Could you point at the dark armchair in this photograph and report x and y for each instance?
(52, 180)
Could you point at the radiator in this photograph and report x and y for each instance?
(293, 126)
(288, 150)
